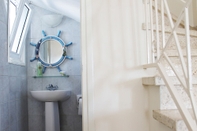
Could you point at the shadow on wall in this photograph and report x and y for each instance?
(69, 118)
(120, 121)
(122, 100)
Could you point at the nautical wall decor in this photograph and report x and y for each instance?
(51, 51)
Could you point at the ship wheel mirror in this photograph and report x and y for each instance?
(51, 51)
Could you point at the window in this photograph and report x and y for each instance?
(12, 16)
(13, 10)
(19, 19)
(20, 31)
(5, 3)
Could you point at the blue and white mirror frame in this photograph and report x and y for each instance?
(63, 57)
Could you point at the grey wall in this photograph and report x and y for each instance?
(69, 119)
(13, 96)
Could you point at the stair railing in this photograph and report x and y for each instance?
(157, 53)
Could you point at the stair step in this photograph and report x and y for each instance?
(180, 31)
(165, 99)
(158, 81)
(152, 81)
(151, 65)
(170, 118)
(174, 53)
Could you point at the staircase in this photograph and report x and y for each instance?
(172, 50)
(167, 112)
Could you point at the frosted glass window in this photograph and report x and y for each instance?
(13, 9)
(19, 21)
(16, 2)
(12, 15)
(19, 33)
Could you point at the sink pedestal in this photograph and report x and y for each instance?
(52, 121)
(51, 98)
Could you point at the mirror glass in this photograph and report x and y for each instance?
(50, 51)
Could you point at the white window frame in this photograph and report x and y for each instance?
(18, 57)
(6, 5)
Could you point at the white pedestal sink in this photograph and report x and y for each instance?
(51, 99)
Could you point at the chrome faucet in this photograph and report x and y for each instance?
(51, 87)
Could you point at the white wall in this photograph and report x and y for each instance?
(176, 10)
(113, 50)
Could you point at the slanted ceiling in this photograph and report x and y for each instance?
(69, 8)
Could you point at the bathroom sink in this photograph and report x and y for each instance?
(51, 96)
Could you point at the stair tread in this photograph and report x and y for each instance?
(171, 114)
(174, 53)
(169, 117)
(152, 81)
(158, 81)
(168, 29)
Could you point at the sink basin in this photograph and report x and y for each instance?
(51, 96)
(51, 99)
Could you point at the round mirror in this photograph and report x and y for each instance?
(50, 51)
